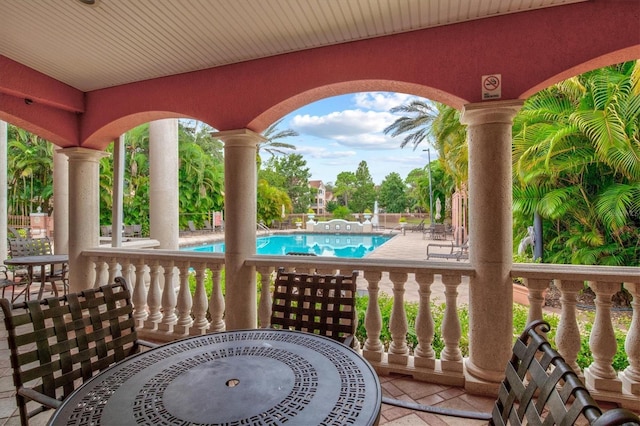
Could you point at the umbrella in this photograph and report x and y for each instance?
(438, 208)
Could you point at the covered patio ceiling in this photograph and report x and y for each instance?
(115, 42)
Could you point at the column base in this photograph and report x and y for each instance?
(482, 374)
(475, 386)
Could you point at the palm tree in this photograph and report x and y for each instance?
(273, 136)
(451, 142)
(30, 172)
(577, 163)
(417, 123)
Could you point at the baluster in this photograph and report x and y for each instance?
(184, 301)
(373, 348)
(602, 341)
(127, 273)
(101, 269)
(154, 297)
(631, 375)
(536, 287)
(451, 356)
(568, 334)
(264, 308)
(398, 349)
(424, 355)
(169, 317)
(216, 304)
(139, 297)
(200, 322)
(114, 269)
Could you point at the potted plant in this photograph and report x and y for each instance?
(403, 221)
(367, 214)
(311, 214)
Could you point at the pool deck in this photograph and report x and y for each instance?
(410, 246)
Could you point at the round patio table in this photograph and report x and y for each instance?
(249, 377)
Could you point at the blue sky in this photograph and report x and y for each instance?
(337, 133)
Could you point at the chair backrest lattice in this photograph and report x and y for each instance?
(541, 388)
(29, 247)
(58, 342)
(315, 303)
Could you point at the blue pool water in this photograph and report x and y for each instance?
(329, 245)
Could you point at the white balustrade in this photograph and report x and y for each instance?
(165, 309)
(630, 377)
(200, 302)
(398, 349)
(602, 341)
(425, 356)
(373, 348)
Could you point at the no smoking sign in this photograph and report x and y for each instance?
(491, 86)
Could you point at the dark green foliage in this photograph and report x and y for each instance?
(519, 322)
(290, 174)
(577, 163)
(392, 194)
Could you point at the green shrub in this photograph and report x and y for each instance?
(584, 359)
(341, 212)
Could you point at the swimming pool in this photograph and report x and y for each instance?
(328, 245)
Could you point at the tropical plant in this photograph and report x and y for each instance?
(273, 141)
(576, 162)
(416, 123)
(200, 176)
(29, 173)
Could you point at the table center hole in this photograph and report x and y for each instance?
(232, 383)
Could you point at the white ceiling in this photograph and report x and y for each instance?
(121, 41)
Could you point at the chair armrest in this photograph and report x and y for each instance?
(442, 245)
(348, 340)
(147, 344)
(39, 397)
(617, 416)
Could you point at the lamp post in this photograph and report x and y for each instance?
(430, 189)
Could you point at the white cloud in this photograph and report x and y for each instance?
(342, 123)
(381, 101)
(321, 152)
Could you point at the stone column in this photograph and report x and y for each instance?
(163, 182)
(3, 191)
(60, 202)
(117, 212)
(490, 240)
(84, 213)
(240, 174)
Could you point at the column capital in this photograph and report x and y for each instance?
(239, 136)
(79, 153)
(490, 112)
